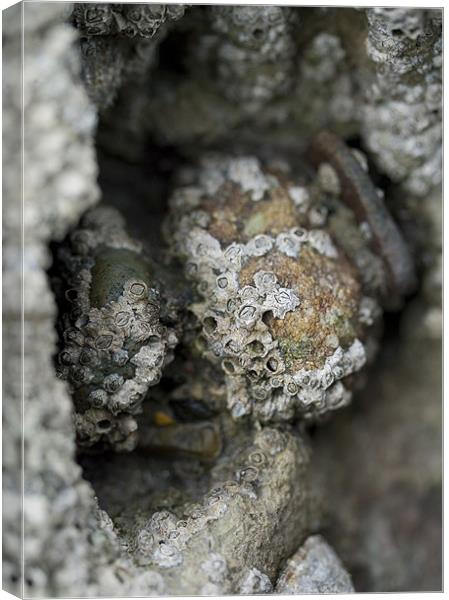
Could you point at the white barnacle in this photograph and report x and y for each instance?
(248, 315)
(148, 357)
(98, 398)
(318, 215)
(290, 387)
(233, 256)
(336, 358)
(202, 246)
(288, 244)
(226, 284)
(265, 280)
(300, 197)
(212, 174)
(327, 378)
(185, 198)
(281, 302)
(167, 556)
(322, 242)
(246, 172)
(215, 567)
(337, 396)
(357, 354)
(248, 292)
(113, 382)
(369, 310)
(299, 233)
(200, 218)
(328, 179)
(232, 345)
(303, 378)
(259, 245)
(338, 372)
(308, 397)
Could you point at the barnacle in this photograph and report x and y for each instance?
(114, 345)
(281, 307)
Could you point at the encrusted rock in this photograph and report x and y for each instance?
(284, 287)
(118, 41)
(254, 52)
(128, 20)
(282, 309)
(402, 117)
(114, 345)
(261, 484)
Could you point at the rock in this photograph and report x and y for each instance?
(122, 103)
(314, 569)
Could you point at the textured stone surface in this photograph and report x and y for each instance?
(386, 523)
(204, 504)
(402, 116)
(314, 569)
(59, 124)
(114, 345)
(118, 42)
(282, 310)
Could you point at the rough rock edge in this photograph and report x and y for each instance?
(314, 569)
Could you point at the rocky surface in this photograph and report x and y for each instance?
(115, 346)
(282, 310)
(202, 502)
(386, 523)
(314, 569)
(58, 185)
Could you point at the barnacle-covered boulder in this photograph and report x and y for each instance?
(282, 308)
(114, 346)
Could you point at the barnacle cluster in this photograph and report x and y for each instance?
(283, 316)
(114, 345)
(251, 476)
(254, 52)
(210, 377)
(123, 19)
(118, 41)
(281, 308)
(405, 100)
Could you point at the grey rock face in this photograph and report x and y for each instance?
(314, 569)
(59, 123)
(393, 442)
